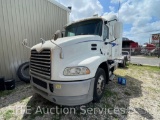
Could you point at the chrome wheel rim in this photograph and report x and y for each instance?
(100, 85)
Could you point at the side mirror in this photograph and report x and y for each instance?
(63, 33)
(25, 43)
(117, 30)
(57, 35)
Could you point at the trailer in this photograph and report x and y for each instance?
(131, 46)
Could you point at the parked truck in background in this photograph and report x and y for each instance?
(131, 46)
(148, 49)
(74, 70)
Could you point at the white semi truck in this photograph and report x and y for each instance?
(74, 69)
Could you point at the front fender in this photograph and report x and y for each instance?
(92, 63)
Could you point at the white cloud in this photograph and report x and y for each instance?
(140, 14)
(83, 8)
(117, 1)
(112, 9)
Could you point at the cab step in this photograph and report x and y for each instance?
(111, 66)
(112, 77)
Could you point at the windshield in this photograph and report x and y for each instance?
(89, 27)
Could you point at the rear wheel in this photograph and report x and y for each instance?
(124, 63)
(99, 85)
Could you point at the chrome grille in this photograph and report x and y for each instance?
(40, 63)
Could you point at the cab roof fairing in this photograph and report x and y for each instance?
(110, 17)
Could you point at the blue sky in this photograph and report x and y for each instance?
(105, 5)
(140, 18)
(116, 6)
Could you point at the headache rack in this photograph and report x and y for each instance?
(40, 63)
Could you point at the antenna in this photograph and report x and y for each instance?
(119, 8)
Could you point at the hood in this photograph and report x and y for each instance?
(66, 41)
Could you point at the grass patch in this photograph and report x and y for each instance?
(137, 71)
(56, 117)
(8, 115)
(26, 99)
(127, 93)
(35, 114)
(109, 93)
(107, 105)
(145, 67)
(152, 68)
(6, 92)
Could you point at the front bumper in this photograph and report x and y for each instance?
(64, 93)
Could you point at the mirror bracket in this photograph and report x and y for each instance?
(24, 43)
(105, 22)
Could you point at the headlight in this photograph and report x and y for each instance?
(74, 71)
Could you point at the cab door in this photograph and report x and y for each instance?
(106, 39)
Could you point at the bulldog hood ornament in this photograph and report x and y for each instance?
(43, 41)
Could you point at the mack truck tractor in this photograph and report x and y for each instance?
(74, 69)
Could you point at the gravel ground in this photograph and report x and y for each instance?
(139, 99)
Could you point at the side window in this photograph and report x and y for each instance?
(70, 34)
(106, 32)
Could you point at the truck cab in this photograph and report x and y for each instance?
(74, 69)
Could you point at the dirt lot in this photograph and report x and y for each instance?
(138, 100)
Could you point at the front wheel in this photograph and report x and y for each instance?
(99, 85)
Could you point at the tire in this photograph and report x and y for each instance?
(126, 59)
(99, 85)
(23, 72)
(124, 63)
(2, 86)
(10, 84)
